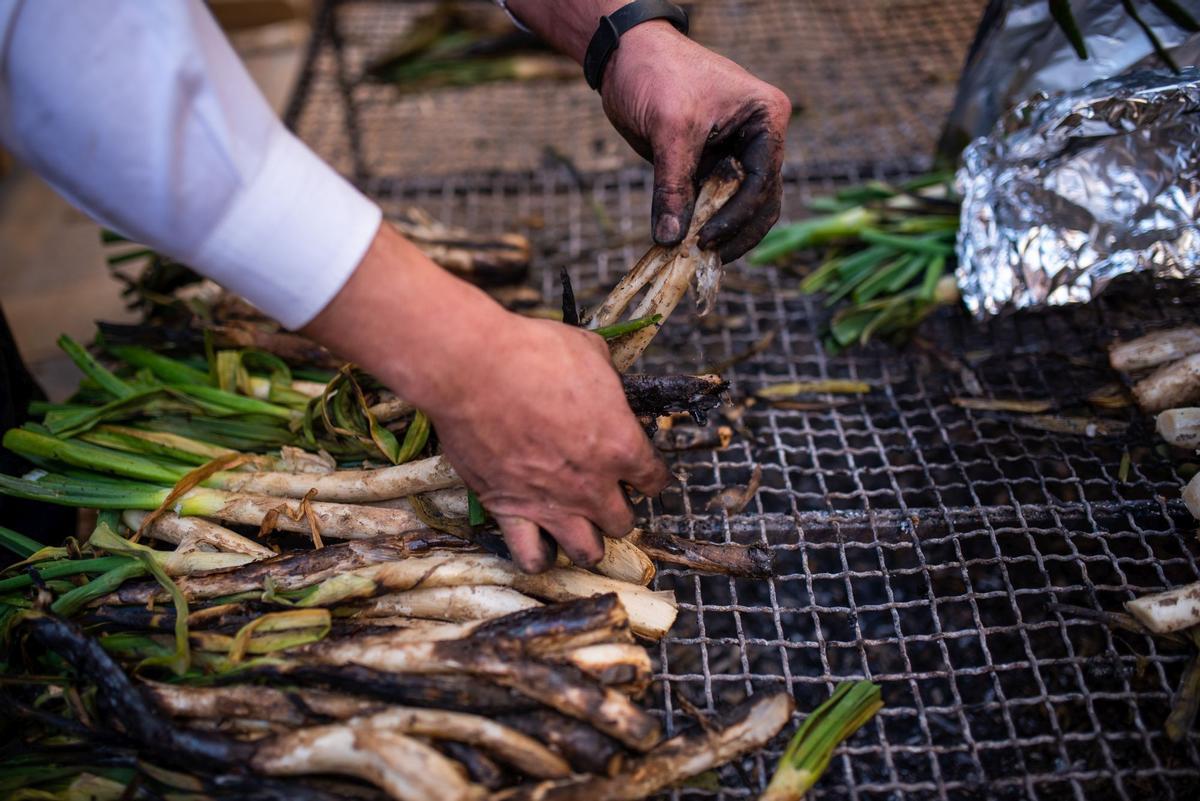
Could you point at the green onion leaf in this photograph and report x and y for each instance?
(1060, 10)
(621, 329)
(476, 515)
(18, 543)
(168, 369)
(929, 245)
(846, 329)
(807, 756)
(71, 602)
(933, 273)
(63, 567)
(105, 538)
(94, 370)
(92, 457)
(68, 423)
(237, 404)
(815, 231)
(1178, 14)
(415, 438)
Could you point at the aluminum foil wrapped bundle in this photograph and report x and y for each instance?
(1070, 191)
(1020, 50)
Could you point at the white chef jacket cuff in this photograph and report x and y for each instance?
(292, 236)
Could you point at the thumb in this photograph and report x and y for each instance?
(674, 190)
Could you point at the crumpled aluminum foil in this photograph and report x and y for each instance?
(1070, 191)
(1019, 50)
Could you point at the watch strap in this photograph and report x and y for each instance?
(607, 37)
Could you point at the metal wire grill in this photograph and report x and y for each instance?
(919, 544)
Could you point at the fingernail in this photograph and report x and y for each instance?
(538, 564)
(667, 229)
(583, 558)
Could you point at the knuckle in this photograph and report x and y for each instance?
(597, 344)
(591, 343)
(615, 455)
(778, 103)
(671, 187)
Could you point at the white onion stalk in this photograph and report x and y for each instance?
(297, 460)
(1154, 349)
(347, 486)
(625, 666)
(608, 710)
(453, 604)
(696, 750)
(261, 388)
(255, 701)
(341, 521)
(665, 273)
(651, 614)
(449, 503)
(1180, 427)
(403, 767)
(175, 529)
(173, 563)
(193, 562)
(519, 750)
(338, 580)
(1170, 611)
(1175, 384)
(623, 560)
(594, 651)
(418, 630)
(277, 706)
(1191, 496)
(336, 520)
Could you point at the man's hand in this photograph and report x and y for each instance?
(684, 108)
(544, 438)
(530, 412)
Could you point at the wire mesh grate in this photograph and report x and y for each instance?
(918, 543)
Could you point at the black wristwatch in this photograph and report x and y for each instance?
(607, 37)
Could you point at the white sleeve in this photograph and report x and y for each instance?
(140, 113)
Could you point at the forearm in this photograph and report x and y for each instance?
(409, 322)
(568, 25)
